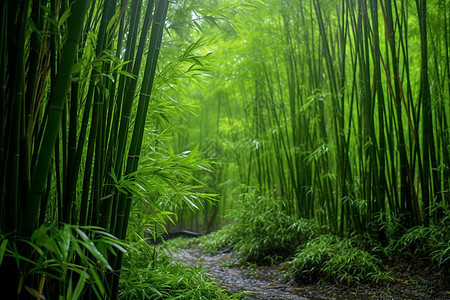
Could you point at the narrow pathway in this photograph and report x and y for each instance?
(260, 283)
(267, 282)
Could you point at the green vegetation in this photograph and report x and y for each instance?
(332, 113)
(314, 133)
(162, 278)
(431, 243)
(260, 233)
(270, 236)
(85, 141)
(331, 257)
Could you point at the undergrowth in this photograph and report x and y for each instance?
(338, 259)
(261, 231)
(150, 275)
(429, 244)
(224, 238)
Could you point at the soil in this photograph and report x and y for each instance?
(269, 282)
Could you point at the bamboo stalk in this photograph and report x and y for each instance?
(57, 102)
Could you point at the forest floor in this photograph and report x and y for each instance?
(268, 282)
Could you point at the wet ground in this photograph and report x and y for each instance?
(269, 283)
(259, 283)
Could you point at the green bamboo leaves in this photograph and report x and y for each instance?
(70, 74)
(363, 80)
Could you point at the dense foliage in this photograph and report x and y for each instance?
(322, 125)
(85, 126)
(162, 278)
(339, 108)
(334, 113)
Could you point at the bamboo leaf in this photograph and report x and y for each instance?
(3, 246)
(97, 280)
(80, 286)
(64, 17)
(70, 290)
(89, 245)
(65, 243)
(192, 204)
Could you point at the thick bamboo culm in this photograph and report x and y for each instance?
(66, 112)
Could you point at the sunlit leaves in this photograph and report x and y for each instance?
(68, 249)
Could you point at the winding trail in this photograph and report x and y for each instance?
(268, 283)
(257, 283)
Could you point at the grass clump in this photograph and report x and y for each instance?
(150, 275)
(427, 244)
(261, 231)
(225, 238)
(178, 243)
(334, 258)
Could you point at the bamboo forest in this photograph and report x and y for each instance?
(225, 149)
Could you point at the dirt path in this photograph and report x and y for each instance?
(268, 283)
(259, 283)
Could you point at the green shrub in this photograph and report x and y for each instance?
(309, 259)
(334, 258)
(261, 230)
(352, 264)
(276, 239)
(441, 256)
(73, 257)
(162, 278)
(218, 240)
(424, 242)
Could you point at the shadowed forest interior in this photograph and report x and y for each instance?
(307, 135)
